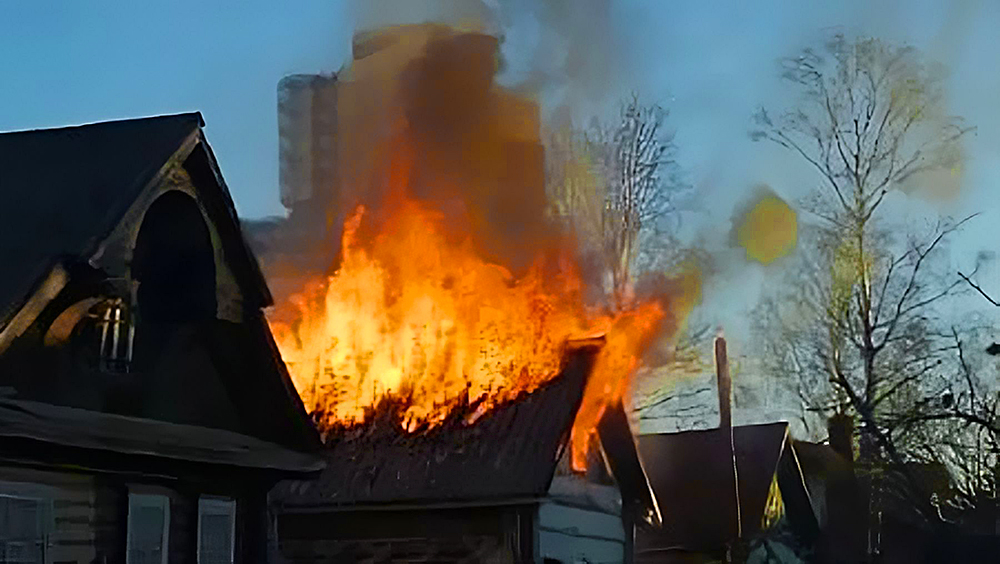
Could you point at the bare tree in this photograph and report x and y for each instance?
(619, 185)
(863, 331)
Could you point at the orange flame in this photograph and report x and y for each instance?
(415, 315)
(415, 310)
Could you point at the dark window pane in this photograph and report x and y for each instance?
(21, 535)
(147, 520)
(216, 539)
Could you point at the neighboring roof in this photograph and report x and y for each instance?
(692, 476)
(58, 426)
(576, 490)
(622, 455)
(63, 190)
(508, 453)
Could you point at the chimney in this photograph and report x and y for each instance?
(841, 430)
(724, 382)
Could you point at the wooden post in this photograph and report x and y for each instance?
(726, 421)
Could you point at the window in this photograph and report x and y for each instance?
(117, 333)
(148, 528)
(216, 530)
(23, 528)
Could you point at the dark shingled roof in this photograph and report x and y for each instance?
(63, 190)
(692, 477)
(58, 426)
(509, 452)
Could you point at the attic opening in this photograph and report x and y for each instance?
(174, 262)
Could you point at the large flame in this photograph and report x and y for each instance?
(417, 315)
(424, 305)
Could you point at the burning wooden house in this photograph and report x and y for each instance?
(145, 413)
(496, 489)
(433, 351)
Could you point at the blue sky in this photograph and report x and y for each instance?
(68, 62)
(715, 62)
(711, 63)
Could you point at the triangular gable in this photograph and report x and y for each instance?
(64, 190)
(204, 170)
(692, 477)
(77, 195)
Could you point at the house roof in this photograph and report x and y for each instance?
(509, 453)
(58, 426)
(622, 455)
(691, 474)
(62, 191)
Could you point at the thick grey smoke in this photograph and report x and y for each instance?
(561, 52)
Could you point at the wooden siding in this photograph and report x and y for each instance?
(480, 534)
(89, 515)
(74, 520)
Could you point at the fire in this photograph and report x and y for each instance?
(415, 314)
(451, 282)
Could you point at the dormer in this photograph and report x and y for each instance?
(133, 291)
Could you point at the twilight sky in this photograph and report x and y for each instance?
(710, 63)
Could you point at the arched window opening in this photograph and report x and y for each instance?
(101, 331)
(174, 262)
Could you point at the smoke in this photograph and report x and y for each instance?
(419, 112)
(471, 79)
(563, 53)
(457, 88)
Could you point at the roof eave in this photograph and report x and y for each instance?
(249, 258)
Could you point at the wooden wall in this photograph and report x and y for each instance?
(79, 517)
(88, 519)
(482, 534)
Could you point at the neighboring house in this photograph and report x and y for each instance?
(838, 504)
(144, 410)
(893, 530)
(704, 516)
(734, 493)
(494, 490)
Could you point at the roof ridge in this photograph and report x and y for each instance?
(196, 113)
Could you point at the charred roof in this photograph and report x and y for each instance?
(509, 452)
